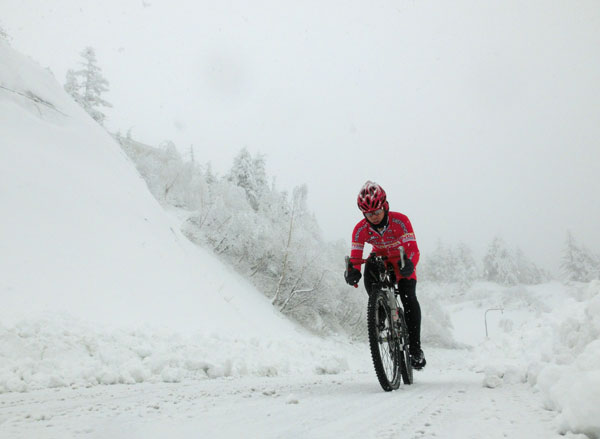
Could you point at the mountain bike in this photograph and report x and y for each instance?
(388, 333)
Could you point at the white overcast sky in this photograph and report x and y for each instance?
(478, 117)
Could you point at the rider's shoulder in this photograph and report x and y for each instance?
(361, 225)
(397, 215)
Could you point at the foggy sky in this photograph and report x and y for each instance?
(478, 118)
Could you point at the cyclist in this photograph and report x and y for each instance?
(387, 231)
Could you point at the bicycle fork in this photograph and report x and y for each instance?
(393, 307)
(393, 304)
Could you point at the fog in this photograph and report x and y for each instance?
(478, 118)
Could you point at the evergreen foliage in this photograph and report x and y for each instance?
(456, 265)
(578, 263)
(450, 265)
(510, 267)
(87, 85)
(249, 173)
(3, 34)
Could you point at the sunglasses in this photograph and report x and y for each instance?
(374, 213)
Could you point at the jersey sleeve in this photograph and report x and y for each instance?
(409, 241)
(358, 245)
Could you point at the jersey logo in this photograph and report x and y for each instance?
(409, 237)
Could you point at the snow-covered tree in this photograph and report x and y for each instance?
(447, 264)
(510, 267)
(578, 263)
(438, 265)
(87, 85)
(170, 179)
(499, 264)
(249, 173)
(467, 271)
(3, 34)
(528, 272)
(73, 87)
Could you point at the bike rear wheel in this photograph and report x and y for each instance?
(404, 357)
(384, 342)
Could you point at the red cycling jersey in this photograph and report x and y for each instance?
(398, 233)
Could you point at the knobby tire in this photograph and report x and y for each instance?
(405, 361)
(385, 345)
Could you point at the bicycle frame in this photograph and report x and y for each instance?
(386, 279)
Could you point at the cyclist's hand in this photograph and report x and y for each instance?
(352, 276)
(408, 268)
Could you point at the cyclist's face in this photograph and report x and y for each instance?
(375, 217)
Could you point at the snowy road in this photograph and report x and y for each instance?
(447, 401)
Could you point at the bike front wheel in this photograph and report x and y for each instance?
(384, 342)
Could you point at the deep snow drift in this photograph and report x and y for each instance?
(547, 336)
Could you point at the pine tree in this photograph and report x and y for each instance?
(527, 271)
(448, 264)
(441, 263)
(467, 271)
(578, 263)
(249, 173)
(499, 265)
(210, 176)
(510, 267)
(73, 88)
(3, 35)
(87, 85)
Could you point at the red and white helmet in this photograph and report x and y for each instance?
(371, 198)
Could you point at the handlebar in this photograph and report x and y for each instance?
(354, 261)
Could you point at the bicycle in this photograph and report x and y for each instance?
(386, 324)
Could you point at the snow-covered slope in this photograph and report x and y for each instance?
(81, 232)
(86, 252)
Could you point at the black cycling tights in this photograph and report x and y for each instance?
(412, 311)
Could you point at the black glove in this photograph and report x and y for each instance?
(408, 269)
(352, 275)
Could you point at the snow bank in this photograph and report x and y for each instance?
(59, 352)
(557, 351)
(571, 383)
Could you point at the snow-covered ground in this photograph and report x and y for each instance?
(447, 401)
(538, 362)
(113, 325)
